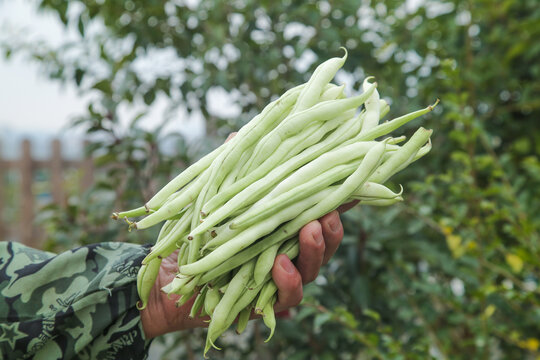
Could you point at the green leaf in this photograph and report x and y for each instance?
(149, 97)
(320, 320)
(103, 86)
(79, 74)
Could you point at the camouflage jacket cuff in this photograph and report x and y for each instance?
(78, 304)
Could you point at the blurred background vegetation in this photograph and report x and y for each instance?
(451, 273)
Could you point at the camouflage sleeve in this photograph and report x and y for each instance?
(78, 304)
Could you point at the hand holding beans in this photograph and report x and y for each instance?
(318, 240)
(234, 220)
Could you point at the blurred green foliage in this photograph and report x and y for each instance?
(453, 272)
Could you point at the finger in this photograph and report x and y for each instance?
(170, 263)
(332, 231)
(231, 135)
(288, 282)
(312, 250)
(347, 206)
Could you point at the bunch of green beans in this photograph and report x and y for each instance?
(231, 213)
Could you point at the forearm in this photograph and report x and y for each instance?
(78, 304)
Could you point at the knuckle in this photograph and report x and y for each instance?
(339, 234)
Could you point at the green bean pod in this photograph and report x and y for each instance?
(213, 296)
(295, 123)
(185, 298)
(175, 206)
(375, 191)
(264, 264)
(182, 254)
(199, 303)
(265, 295)
(188, 287)
(372, 105)
(243, 319)
(269, 317)
(248, 236)
(389, 126)
(317, 183)
(381, 202)
(169, 243)
(140, 211)
(178, 282)
(321, 76)
(388, 168)
(234, 290)
(148, 278)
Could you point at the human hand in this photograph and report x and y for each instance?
(318, 241)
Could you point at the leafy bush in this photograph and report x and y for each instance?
(450, 273)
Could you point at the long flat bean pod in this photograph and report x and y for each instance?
(321, 76)
(372, 105)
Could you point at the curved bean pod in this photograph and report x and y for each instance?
(213, 296)
(267, 292)
(381, 202)
(320, 77)
(199, 303)
(269, 317)
(264, 264)
(243, 319)
(148, 279)
(388, 168)
(373, 191)
(372, 105)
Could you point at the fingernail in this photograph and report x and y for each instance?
(286, 265)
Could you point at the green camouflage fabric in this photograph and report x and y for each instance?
(80, 304)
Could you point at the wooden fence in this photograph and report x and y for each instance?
(24, 229)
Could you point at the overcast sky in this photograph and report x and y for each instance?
(29, 101)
